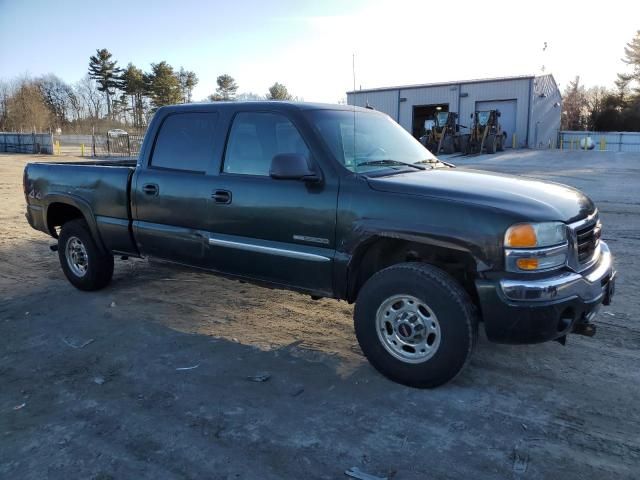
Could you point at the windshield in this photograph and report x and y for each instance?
(442, 118)
(378, 141)
(483, 117)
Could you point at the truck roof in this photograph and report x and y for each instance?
(266, 104)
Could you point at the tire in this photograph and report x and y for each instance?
(448, 145)
(490, 143)
(463, 141)
(386, 300)
(82, 262)
(502, 139)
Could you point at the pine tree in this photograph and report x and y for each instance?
(278, 91)
(106, 73)
(226, 89)
(163, 85)
(134, 86)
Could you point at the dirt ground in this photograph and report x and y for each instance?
(148, 378)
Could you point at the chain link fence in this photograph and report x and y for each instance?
(600, 141)
(118, 144)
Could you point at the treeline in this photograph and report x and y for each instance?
(108, 96)
(604, 109)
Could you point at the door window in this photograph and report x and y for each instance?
(254, 140)
(185, 142)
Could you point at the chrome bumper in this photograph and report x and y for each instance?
(589, 286)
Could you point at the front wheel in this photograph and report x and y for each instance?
(415, 324)
(490, 143)
(84, 265)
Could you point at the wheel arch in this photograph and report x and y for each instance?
(63, 208)
(379, 252)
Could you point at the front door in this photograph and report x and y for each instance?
(281, 231)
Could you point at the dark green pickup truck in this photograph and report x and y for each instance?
(338, 202)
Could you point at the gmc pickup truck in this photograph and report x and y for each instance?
(340, 202)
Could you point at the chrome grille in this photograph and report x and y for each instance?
(587, 241)
(584, 242)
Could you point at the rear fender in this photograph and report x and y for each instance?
(84, 208)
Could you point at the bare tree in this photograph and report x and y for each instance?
(56, 94)
(575, 106)
(5, 91)
(26, 109)
(93, 99)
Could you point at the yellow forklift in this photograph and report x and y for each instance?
(486, 133)
(443, 134)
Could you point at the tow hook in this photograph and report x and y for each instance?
(54, 247)
(584, 325)
(585, 328)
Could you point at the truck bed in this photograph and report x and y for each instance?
(100, 189)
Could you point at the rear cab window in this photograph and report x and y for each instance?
(185, 142)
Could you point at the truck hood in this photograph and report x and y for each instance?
(533, 200)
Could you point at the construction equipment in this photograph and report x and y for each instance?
(443, 134)
(486, 133)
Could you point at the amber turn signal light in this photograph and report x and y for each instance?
(527, 263)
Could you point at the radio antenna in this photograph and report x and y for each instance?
(353, 71)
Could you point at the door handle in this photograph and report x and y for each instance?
(221, 196)
(150, 189)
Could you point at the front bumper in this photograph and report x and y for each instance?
(532, 311)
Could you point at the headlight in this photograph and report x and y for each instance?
(533, 235)
(535, 247)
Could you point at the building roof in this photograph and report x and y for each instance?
(443, 84)
(259, 104)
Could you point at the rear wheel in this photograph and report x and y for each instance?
(415, 324)
(448, 145)
(490, 143)
(84, 265)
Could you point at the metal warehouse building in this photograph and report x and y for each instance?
(530, 106)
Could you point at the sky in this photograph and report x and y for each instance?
(310, 46)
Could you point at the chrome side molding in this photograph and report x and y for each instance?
(283, 252)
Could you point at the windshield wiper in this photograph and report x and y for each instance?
(390, 162)
(432, 161)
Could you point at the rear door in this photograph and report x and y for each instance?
(281, 231)
(171, 195)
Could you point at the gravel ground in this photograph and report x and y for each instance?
(149, 377)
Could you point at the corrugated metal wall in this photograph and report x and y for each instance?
(537, 120)
(384, 101)
(26, 142)
(517, 89)
(546, 109)
(426, 96)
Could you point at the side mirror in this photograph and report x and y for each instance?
(471, 116)
(292, 166)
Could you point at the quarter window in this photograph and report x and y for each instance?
(185, 142)
(254, 140)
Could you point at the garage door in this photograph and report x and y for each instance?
(507, 115)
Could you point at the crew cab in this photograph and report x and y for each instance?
(341, 202)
